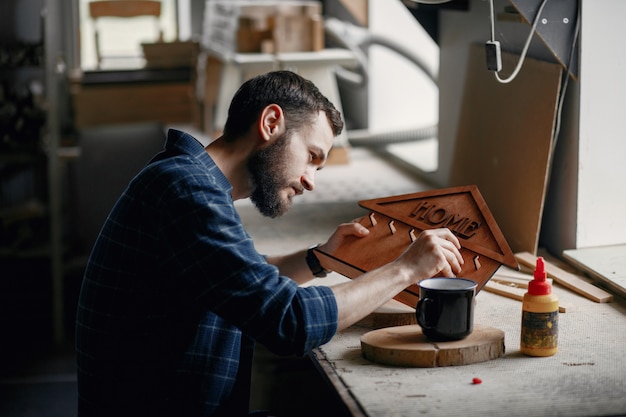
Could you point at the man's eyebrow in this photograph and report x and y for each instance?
(323, 157)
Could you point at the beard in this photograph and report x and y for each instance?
(267, 172)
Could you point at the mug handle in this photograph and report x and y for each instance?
(421, 307)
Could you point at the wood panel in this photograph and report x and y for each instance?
(504, 142)
(110, 104)
(605, 264)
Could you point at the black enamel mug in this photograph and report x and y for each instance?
(445, 310)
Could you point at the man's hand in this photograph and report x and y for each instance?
(434, 251)
(344, 232)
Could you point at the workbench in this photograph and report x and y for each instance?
(585, 378)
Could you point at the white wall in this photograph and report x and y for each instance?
(585, 205)
(602, 143)
(400, 94)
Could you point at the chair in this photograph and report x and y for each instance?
(110, 157)
(123, 9)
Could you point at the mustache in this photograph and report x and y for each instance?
(299, 188)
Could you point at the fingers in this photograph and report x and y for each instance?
(343, 232)
(452, 253)
(443, 249)
(445, 234)
(435, 251)
(353, 228)
(452, 264)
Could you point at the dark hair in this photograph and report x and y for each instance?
(299, 98)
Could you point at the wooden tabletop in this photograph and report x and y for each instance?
(584, 378)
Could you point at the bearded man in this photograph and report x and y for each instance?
(175, 295)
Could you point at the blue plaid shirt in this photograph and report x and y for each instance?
(175, 293)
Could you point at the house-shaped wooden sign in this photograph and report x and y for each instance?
(394, 223)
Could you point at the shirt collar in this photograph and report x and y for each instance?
(183, 143)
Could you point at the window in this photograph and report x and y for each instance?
(123, 37)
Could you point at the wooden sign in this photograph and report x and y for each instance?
(394, 223)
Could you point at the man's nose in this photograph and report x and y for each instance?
(308, 181)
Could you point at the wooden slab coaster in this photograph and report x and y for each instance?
(392, 313)
(407, 346)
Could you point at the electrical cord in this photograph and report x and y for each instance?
(493, 46)
(493, 60)
(557, 123)
(358, 40)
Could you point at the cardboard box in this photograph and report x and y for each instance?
(263, 26)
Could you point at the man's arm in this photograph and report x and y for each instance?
(434, 251)
(293, 266)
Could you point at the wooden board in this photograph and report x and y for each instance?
(167, 102)
(504, 142)
(394, 222)
(407, 346)
(606, 264)
(567, 279)
(513, 292)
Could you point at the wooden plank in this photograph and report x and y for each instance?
(505, 290)
(512, 292)
(572, 281)
(606, 264)
(126, 103)
(512, 281)
(328, 370)
(505, 271)
(512, 277)
(128, 8)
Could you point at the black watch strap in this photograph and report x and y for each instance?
(314, 264)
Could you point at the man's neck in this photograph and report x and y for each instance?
(231, 158)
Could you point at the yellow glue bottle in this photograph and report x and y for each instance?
(540, 316)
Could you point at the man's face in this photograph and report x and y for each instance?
(268, 174)
(287, 166)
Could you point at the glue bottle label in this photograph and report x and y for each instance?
(540, 330)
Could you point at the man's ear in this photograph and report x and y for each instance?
(271, 122)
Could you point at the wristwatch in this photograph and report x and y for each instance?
(314, 264)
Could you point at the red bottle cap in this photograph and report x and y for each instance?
(539, 285)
